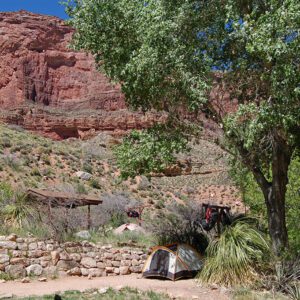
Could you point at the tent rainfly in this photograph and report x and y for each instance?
(173, 262)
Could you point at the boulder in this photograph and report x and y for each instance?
(84, 234)
(88, 262)
(83, 175)
(4, 258)
(66, 265)
(15, 271)
(35, 270)
(124, 270)
(74, 272)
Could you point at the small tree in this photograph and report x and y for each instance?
(166, 53)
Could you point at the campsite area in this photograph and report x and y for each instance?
(150, 149)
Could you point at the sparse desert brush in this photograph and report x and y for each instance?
(5, 142)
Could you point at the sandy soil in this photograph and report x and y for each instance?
(184, 289)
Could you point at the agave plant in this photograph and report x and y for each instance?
(17, 210)
(233, 258)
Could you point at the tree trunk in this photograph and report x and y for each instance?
(274, 194)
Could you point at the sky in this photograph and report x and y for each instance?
(47, 7)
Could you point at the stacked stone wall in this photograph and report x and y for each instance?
(21, 257)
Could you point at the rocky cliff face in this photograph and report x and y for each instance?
(38, 66)
(49, 88)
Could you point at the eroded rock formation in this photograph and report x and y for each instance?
(37, 65)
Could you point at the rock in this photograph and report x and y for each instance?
(88, 262)
(57, 73)
(12, 237)
(116, 271)
(103, 290)
(116, 263)
(18, 261)
(213, 286)
(134, 262)
(75, 256)
(37, 65)
(35, 270)
(6, 296)
(4, 258)
(8, 245)
(109, 270)
(84, 271)
(55, 257)
(42, 279)
(95, 272)
(83, 175)
(90, 277)
(65, 265)
(124, 270)
(22, 246)
(2, 281)
(32, 246)
(50, 271)
(74, 272)
(83, 234)
(25, 280)
(15, 271)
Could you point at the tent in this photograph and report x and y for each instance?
(129, 227)
(173, 261)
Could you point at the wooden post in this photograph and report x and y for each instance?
(89, 218)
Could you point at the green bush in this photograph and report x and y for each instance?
(235, 257)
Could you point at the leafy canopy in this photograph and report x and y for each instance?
(164, 51)
(152, 150)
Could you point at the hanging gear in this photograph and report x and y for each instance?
(133, 214)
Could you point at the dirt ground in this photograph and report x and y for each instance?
(182, 289)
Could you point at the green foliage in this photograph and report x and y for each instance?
(180, 224)
(254, 199)
(15, 209)
(163, 53)
(151, 150)
(233, 259)
(111, 294)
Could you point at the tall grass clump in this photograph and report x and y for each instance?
(235, 257)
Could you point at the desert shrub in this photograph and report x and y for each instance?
(81, 189)
(113, 210)
(35, 172)
(95, 184)
(181, 223)
(5, 142)
(12, 161)
(284, 278)
(14, 207)
(236, 256)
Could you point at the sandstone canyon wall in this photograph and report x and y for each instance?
(38, 65)
(49, 88)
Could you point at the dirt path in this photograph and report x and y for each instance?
(185, 289)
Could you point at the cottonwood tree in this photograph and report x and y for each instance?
(166, 54)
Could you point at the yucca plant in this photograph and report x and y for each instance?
(17, 210)
(234, 257)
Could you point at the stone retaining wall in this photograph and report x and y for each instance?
(20, 257)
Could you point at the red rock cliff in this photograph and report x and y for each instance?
(37, 65)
